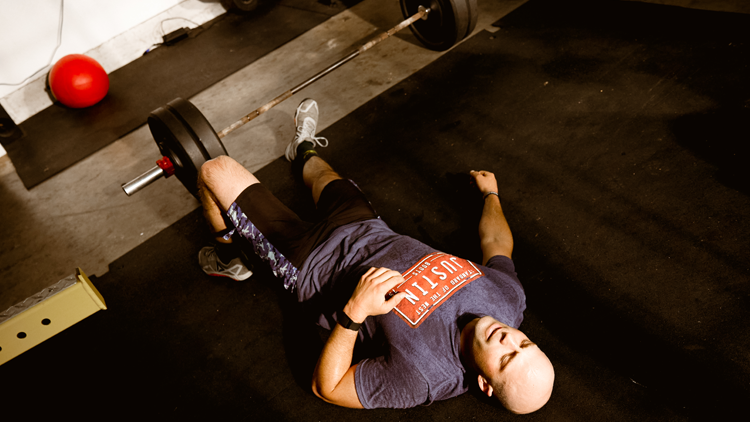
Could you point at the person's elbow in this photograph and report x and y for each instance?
(321, 392)
(341, 395)
(496, 246)
(317, 389)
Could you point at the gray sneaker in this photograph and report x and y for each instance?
(306, 120)
(211, 265)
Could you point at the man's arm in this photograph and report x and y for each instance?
(333, 379)
(494, 232)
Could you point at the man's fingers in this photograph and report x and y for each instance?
(395, 299)
(381, 275)
(392, 302)
(378, 273)
(370, 297)
(394, 280)
(480, 173)
(388, 280)
(370, 272)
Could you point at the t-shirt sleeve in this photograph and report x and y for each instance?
(505, 265)
(390, 383)
(502, 263)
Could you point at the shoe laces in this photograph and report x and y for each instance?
(306, 131)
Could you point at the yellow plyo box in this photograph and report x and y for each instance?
(47, 313)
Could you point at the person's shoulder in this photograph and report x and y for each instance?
(390, 383)
(502, 271)
(502, 263)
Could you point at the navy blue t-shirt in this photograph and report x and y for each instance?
(418, 344)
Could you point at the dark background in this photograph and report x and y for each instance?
(614, 129)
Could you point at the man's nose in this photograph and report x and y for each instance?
(512, 342)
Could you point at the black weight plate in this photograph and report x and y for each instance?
(240, 5)
(176, 142)
(473, 9)
(202, 131)
(449, 21)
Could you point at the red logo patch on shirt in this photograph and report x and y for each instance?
(430, 282)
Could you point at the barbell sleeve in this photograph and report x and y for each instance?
(143, 180)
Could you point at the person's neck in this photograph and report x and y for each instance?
(462, 322)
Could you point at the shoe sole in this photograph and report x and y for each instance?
(230, 277)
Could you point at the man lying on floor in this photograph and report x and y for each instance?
(446, 322)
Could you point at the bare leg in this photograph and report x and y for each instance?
(220, 182)
(317, 174)
(212, 213)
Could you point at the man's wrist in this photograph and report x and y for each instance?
(352, 313)
(488, 193)
(345, 321)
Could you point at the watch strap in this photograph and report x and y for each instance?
(491, 193)
(346, 322)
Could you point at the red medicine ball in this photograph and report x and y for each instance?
(78, 81)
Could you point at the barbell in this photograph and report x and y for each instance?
(186, 139)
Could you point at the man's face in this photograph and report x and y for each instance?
(504, 356)
(494, 346)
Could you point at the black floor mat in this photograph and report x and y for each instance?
(613, 129)
(58, 137)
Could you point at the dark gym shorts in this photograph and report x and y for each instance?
(284, 240)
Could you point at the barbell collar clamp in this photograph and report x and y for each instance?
(166, 164)
(425, 11)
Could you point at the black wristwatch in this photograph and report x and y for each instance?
(346, 322)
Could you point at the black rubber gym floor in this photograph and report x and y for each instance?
(615, 131)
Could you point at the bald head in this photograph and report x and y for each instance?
(526, 385)
(509, 365)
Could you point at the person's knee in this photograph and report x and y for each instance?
(225, 178)
(216, 171)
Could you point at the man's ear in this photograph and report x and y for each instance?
(484, 385)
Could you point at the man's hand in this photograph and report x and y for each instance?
(485, 181)
(370, 295)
